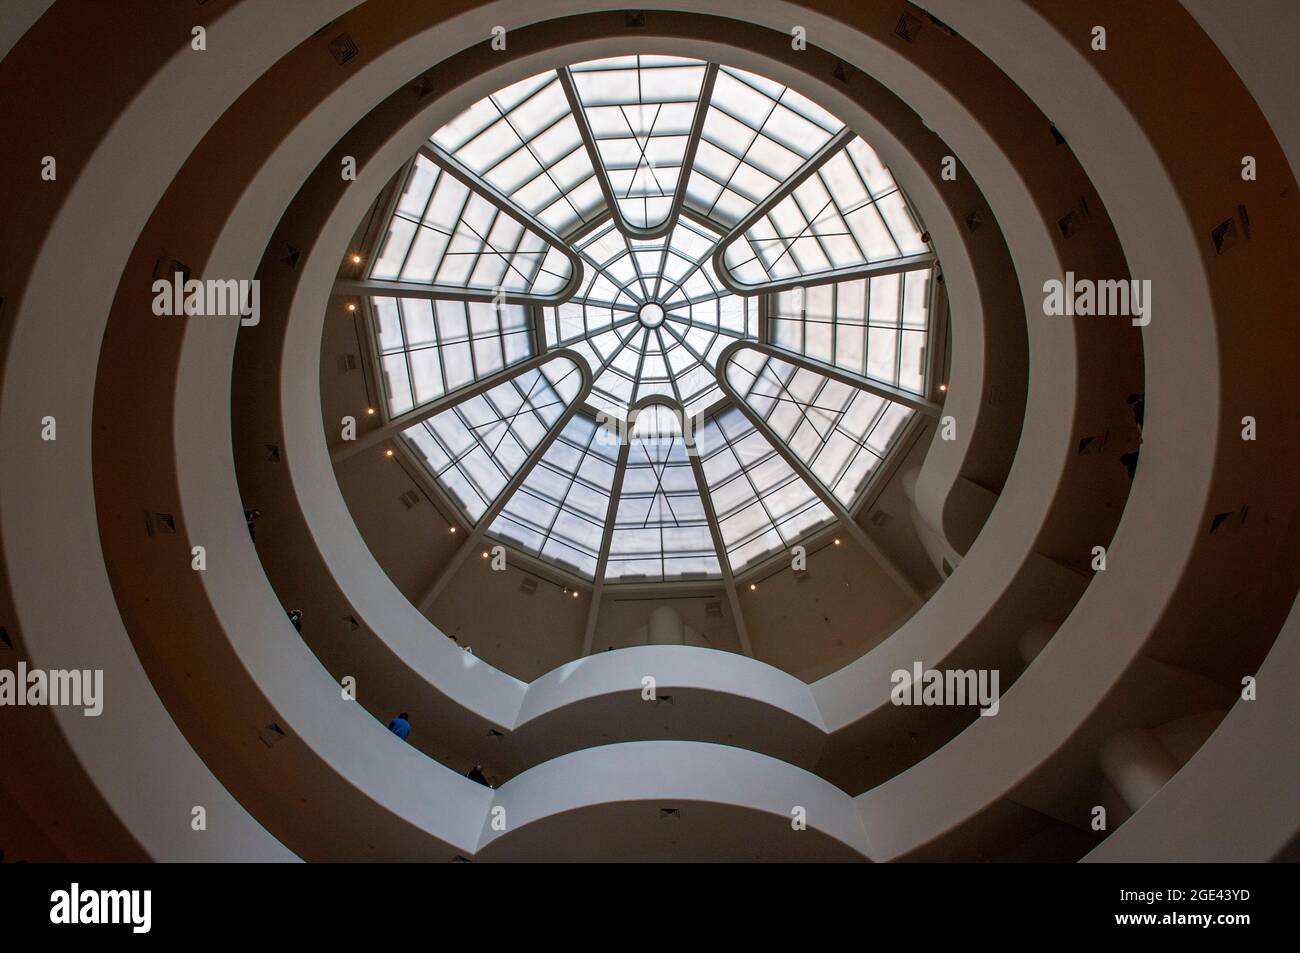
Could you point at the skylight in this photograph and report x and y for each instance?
(677, 423)
(560, 510)
(431, 348)
(444, 234)
(660, 531)
(877, 327)
(630, 358)
(848, 213)
(639, 112)
(475, 447)
(839, 432)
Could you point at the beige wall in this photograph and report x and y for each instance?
(814, 622)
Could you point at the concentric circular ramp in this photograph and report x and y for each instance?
(1019, 155)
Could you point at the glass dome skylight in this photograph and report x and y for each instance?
(649, 318)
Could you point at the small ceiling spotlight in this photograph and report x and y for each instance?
(753, 587)
(575, 593)
(388, 453)
(451, 529)
(485, 554)
(837, 542)
(943, 387)
(370, 411)
(356, 259)
(351, 306)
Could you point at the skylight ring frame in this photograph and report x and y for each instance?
(681, 260)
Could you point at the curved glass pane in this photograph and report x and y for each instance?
(877, 327)
(756, 134)
(660, 531)
(846, 214)
(560, 510)
(640, 110)
(429, 348)
(840, 433)
(474, 448)
(444, 234)
(524, 141)
(761, 504)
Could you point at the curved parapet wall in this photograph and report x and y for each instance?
(1194, 463)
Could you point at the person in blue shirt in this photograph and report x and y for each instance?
(400, 726)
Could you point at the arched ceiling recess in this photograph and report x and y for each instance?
(644, 212)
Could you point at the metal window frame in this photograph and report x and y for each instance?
(568, 243)
(688, 158)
